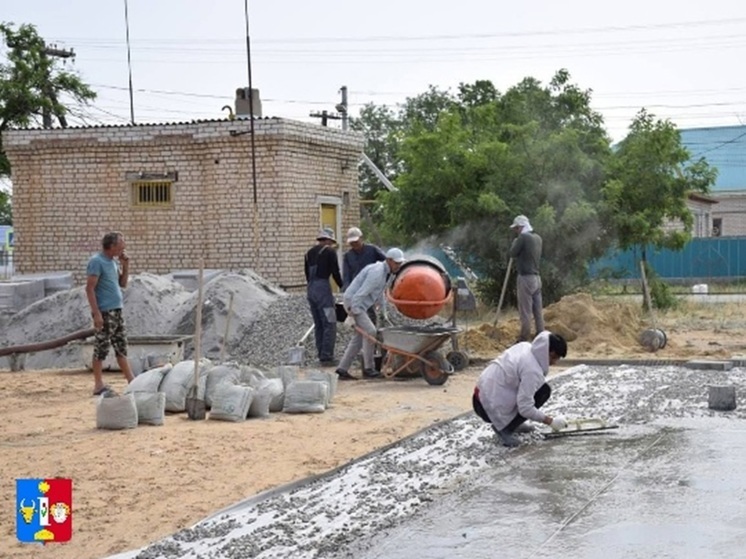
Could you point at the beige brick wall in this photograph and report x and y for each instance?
(70, 187)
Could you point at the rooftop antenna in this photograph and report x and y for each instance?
(129, 61)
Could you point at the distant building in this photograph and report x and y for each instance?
(181, 192)
(724, 148)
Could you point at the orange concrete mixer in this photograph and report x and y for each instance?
(421, 288)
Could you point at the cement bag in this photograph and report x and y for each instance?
(328, 377)
(151, 407)
(306, 396)
(251, 376)
(288, 374)
(149, 381)
(116, 412)
(178, 381)
(275, 387)
(227, 372)
(231, 402)
(260, 402)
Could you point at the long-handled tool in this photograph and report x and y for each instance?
(502, 293)
(195, 406)
(297, 354)
(581, 426)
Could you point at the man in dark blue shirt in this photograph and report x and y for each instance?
(357, 258)
(320, 264)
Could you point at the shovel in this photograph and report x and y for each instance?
(297, 354)
(502, 293)
(195, 406)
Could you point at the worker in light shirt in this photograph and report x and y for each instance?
(513, 387)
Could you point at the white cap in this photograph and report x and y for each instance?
(354, 234)
(520, 221)
(396, 255)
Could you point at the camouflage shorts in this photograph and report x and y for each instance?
(113, 333)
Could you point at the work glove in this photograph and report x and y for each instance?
(350, 322)
(558, 423)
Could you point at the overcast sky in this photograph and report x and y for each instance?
(680, 60)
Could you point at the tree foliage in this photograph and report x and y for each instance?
(648, 182)
(34, 87)
(469, 162)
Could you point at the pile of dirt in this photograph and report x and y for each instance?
(602, 328)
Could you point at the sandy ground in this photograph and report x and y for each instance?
(132, 487)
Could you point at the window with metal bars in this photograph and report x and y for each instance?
(150, 194)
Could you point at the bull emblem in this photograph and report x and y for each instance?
(27, 512)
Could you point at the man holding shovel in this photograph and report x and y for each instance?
(512, 388)
(526, 252)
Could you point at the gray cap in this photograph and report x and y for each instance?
(326, 233)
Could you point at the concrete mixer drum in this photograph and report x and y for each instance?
(421, 288)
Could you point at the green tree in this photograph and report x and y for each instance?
(6, 215)
(537, 150)
(34, 89)
(649, 179)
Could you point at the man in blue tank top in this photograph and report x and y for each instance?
(104, 283)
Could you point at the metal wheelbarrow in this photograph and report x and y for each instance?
(412, 350)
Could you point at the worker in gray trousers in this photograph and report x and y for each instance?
(526, 251)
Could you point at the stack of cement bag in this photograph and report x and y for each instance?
(231, 392)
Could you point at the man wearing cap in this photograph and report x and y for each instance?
(513, 387)
(365, 291)
(526, 251)
(358, 257)
(320, 264)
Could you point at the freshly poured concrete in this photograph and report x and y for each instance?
(641, 492)
(670, 482)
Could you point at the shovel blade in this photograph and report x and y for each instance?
(195, 406)
(296, 355)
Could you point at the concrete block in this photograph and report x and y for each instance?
(189, 278)
(709, 365)
(53, 281)
(721, 397)
(17, 295)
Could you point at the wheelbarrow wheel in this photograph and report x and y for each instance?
(437, 373)
(458, 359)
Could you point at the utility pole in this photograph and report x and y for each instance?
(341, 113)
(325, 116)
(51, 94)
(342, 107)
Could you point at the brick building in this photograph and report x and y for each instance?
(181, 192)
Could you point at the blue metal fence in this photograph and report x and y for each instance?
(722, 258)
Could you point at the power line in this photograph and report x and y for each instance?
(462, 36)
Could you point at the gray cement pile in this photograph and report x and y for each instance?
(341, 514)
(263, 319)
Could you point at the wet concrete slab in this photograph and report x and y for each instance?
(670, 482)
(644, 492)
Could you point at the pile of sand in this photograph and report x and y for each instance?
(590, 326)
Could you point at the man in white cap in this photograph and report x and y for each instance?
(365, 291)
(320, 264)
(358, 257)
(513, 387)
(526, 252)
